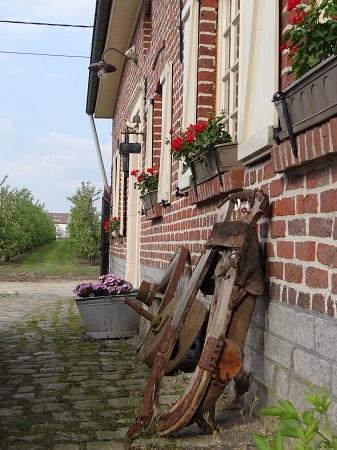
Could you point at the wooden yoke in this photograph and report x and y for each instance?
(227, 248)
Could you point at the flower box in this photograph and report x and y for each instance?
(108, 317)
(152, 209)
(310, 100)
(219, 160)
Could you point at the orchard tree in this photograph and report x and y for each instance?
(84, 225)
(24, 223)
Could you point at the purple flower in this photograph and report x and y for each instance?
(109, 284)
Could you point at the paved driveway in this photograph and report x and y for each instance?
(60, 391)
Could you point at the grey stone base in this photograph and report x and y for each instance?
(117, 266)
(291, 352)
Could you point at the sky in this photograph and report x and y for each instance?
(45, 137)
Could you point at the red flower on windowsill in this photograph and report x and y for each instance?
(292, 4)
(311, 37)
(196, 141)
(297, 17)
(189, 137)
(177, 143)
(146, 181)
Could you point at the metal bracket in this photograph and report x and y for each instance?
(211, 354)
(279, 96)
(180, 194)
(165, 203)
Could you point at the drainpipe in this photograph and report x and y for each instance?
(98, 150)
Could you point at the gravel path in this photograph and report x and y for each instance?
(60, 391)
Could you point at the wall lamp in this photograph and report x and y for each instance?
(103, 68)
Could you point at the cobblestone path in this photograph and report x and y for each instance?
(60, 391)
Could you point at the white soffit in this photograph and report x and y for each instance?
(123, 20)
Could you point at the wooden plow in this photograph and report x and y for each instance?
(230, 269)
(161, 303)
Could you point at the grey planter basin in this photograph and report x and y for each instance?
(225, 154)
(108, 317)
(311, 100)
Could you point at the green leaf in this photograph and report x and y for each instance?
(278, 441)
(308, 417)
(291, 428)
(286, 415)
(288, 406)
(271, 411)
(260, 442)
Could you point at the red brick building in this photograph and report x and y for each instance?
(200, 57)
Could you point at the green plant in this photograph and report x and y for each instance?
(197, 140)
(312, 36)
(146, 181)
(308, 430)
(84, 225)
(112, 224)
(24, 222)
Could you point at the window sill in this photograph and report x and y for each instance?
(156, 212)
(318, 143)
(214, 190)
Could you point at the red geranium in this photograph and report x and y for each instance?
(297, 17)
(190, 136)
(106, 224)
(146, 181)
(199, 127)
(292, 4)
(284, 46)
(177, 142)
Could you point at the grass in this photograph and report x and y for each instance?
(53, 259)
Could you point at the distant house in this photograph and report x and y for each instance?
(60, 221)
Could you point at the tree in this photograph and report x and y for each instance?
(24, 223)
(84, 225)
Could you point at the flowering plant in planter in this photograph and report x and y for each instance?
(146, 181)
(312, 37)
(196, 141)
(107, 285)
(111, 224)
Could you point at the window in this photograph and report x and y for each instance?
(190, 15)
(228, 58)
(190, 21)
(164, 188)
(258, 77)
(149, 135)
(118, 191)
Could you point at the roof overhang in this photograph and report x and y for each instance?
(115, 22)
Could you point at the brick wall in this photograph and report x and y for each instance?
(292, 341)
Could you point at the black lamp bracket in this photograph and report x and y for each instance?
(179, 193)
(127, 133)
(165, 203)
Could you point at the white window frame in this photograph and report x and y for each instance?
(164, 185)
(133, 229)
(190, 23)
(228, 63)
(149, 135)
(259, 78)
(117, 196)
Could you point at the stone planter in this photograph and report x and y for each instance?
(151, 208)
(310, 100)
(108, 317)
(217, 161)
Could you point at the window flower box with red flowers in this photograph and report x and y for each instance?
(112, 226)
(147, 184)
(312, 45)
(205, 148)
